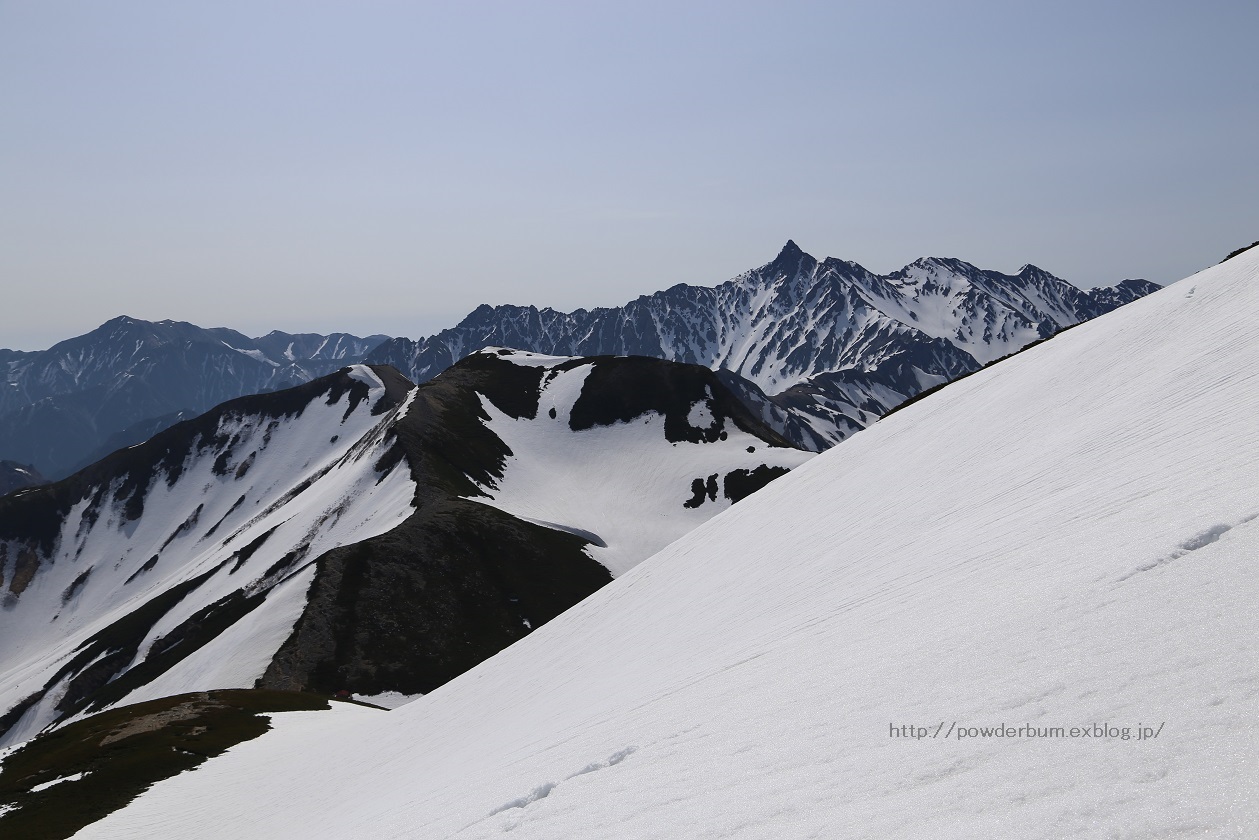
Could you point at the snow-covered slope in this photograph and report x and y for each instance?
(216, 522)
(357, 532)
(833, 345)
(1067, 539)
(631, 486)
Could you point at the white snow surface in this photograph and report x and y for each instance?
(388, 699)
(622, 486)
(1067, 539)
(524, 358)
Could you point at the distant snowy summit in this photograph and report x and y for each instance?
(823, 348)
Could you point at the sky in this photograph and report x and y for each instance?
(385, 167)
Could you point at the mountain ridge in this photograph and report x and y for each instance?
(359, 532)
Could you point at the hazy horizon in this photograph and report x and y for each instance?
(437, 327)
(385, 167)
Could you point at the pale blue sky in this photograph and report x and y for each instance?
(387, 166)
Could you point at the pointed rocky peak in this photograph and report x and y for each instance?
(790, 260)
(1036, 274)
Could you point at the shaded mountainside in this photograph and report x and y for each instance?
(15, 476)
(58, 407)
(356, 532)
(76, 775)
(831, 345)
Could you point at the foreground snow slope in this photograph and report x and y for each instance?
(1066, 539)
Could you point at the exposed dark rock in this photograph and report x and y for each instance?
(122, 752)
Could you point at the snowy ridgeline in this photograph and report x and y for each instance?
(1066, 539)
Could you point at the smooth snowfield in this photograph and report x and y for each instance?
(1066, 539)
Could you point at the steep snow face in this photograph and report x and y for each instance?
(625, 486)
(228, 536)
(1065, 540)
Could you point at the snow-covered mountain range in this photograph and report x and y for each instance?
(127, 379)
(819, 349)
(358, 532)
(1021, 607)
(826, 347)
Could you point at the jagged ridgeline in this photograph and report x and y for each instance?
(359, 532)
(820, 349)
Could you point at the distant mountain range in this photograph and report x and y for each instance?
(127, 379)
(820, 349)
(358, 532)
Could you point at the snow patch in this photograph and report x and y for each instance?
(523, 357)
(700, 416)
(71, 778)
(388, 699)
(364, 374)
